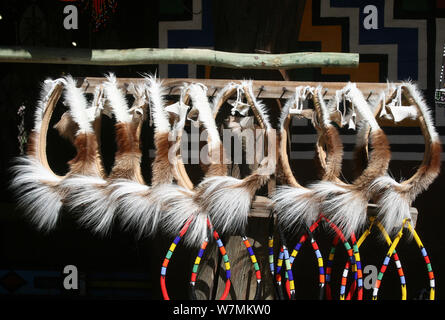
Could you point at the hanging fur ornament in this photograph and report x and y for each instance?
(228, 200)
(181, 205)
(39, 190)
(294, 203)
(183, 217)
(346, 204)
(395, 198)
(140, 206)
(93, 197)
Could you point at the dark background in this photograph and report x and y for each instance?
(119, 266)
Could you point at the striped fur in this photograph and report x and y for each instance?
(227, 200)
(345, 206)
(179, 206)
(138, 208)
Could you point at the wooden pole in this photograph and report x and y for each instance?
(116, 57)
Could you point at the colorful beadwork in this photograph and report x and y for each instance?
(169, 255)
(271, 255)
(354, 257)
(397, 262)
(197, 261)
(329, 264)
(297, 248)
(252, 258)
(391, 251)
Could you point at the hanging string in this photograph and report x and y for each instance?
(22, 136)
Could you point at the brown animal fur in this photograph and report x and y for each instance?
(162, 172)
(378, 162)
(32, 144)
(66, 127)
(334, 146)
(253, 182)
(217, 167)
(127, 162)
(86, 160)
(427, 173)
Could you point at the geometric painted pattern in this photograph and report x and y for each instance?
(407, 44)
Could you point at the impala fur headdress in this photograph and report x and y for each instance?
(227, 199)
(92, 196)
(38, 188)
(346, 204)
(294, 203)
(395, 198)
(181, 203)
(141, 207)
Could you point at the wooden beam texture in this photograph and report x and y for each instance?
(264, 89)
(118, 57)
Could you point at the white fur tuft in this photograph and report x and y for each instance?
(347, 208)
(393, 205)
(138, 207)
(117, 99)
(295, 206)
(363, 108)
(426, 112)
(179, 207)
(156, 97)
(229, 203)
(78, 105)
(88, 196)
(34, 187)
(201, 103)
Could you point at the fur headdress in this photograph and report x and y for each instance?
(38, 188)
(346, 204)
(294, 203)
(228, 199)
(181, 204)
(92, 197)
(394, 198)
